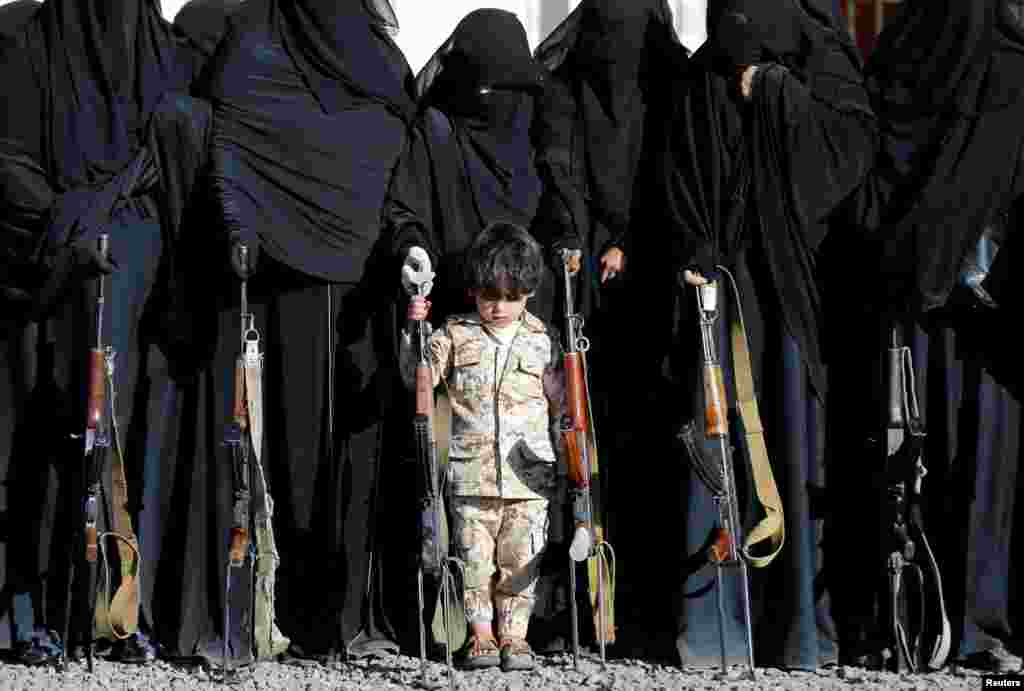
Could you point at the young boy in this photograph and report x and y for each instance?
(504, 378)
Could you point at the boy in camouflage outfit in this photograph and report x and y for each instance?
(504, 378)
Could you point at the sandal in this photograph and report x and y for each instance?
(516, 655)
(479, 653)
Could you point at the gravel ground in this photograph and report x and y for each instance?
(403, 673)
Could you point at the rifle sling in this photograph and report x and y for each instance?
(772, 527)
(119, 617)
(267, 637)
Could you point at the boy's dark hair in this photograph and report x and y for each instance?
(504, 261)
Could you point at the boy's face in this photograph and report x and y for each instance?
(499, 310)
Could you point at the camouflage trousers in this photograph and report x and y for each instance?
(501, 542)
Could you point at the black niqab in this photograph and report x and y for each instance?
(483, 78)
(611, 53)
(14, 15)
(202, 23)
(806, 141)
(344, 51)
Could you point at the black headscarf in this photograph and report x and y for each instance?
(945, 79)
(471, 159)
(14, 15)
(201, 24)
(304, 147)
(344, 51)
(611, 53)
(488, 51)
(101, 68)
(778, 167)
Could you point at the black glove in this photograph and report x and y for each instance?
(554, 252)
(243, 263)
(703, 262)
(738, 40)
(89, 262)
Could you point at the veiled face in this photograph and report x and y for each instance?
(614, 31)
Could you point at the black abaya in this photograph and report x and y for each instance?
(599, 130)
(471, 162)
(946, 85)
(752, 187)
(311, 104)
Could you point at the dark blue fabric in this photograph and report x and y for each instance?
(201, 24)
(344, 52)
(100, 76)
(305, 185)
(973, 457)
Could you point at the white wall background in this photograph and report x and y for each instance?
(426, 23)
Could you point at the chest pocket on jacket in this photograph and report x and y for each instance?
(527, 380)
(468, 369)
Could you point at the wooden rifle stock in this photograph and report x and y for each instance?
(240, 526)
(424, 390)
(94, 416)
(716, 426)
(97, 388)
(716, 418)
(576, 421)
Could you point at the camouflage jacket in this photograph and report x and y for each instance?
(502, 422)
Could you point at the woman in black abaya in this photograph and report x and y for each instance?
(598, 129)
(74, 161)
(472, 163)
(754, 168)
(946, 83)
(13, 379)
(312, 103)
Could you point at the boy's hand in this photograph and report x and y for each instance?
(419, 308)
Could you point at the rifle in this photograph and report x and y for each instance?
(588, 543)
(237, 439)
(724, 551)
(433, 557)
(97, 443)
(912, 570)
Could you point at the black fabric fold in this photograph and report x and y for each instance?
(101, 73)
(599, 117)
(14, 15)
(201, 24)
(945, 82)
(306, 185)
(809, 143)
(344, 52)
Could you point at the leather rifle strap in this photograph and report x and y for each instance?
(772, 527)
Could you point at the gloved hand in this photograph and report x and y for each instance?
(738, 40)
(701, 266)
(416, 272)
(243, 257)
(89, 261)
